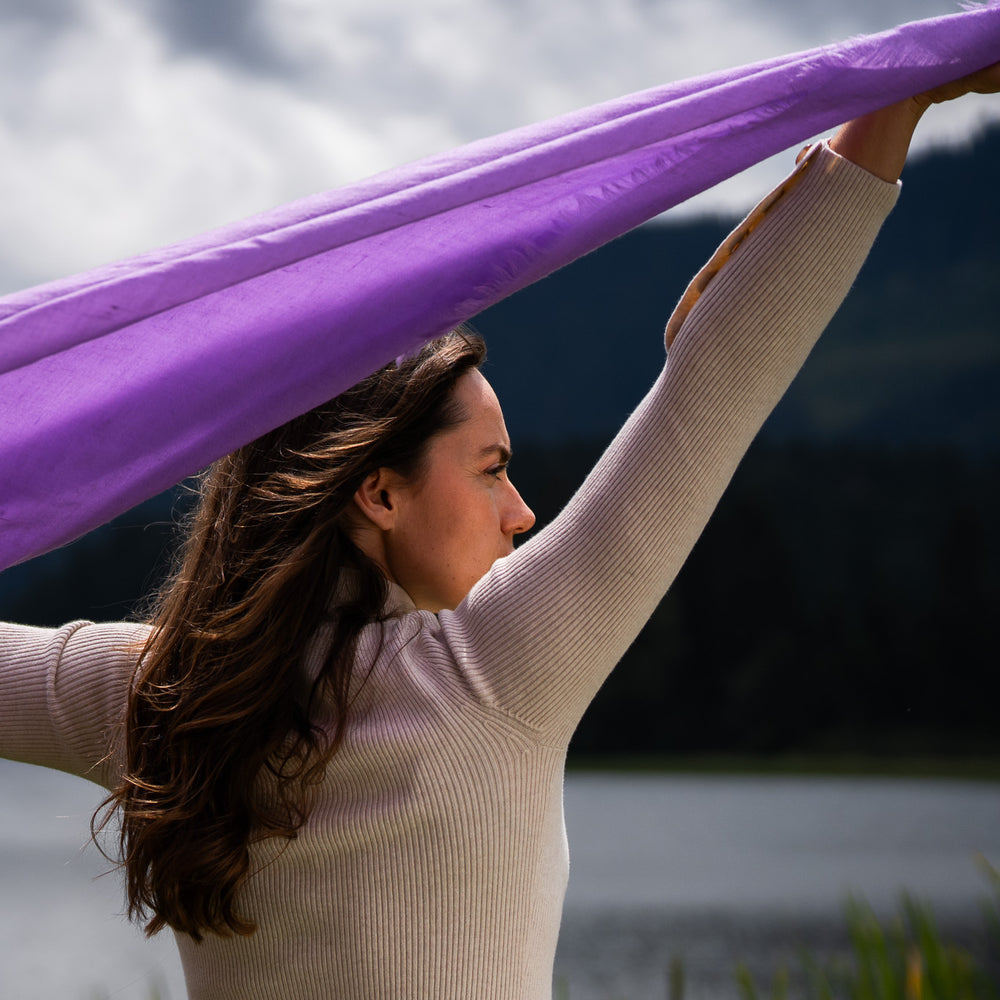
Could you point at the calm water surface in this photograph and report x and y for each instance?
(711, 869)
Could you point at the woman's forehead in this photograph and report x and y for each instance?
(482, 426)
(477, 397)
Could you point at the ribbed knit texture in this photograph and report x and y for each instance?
(435, 863)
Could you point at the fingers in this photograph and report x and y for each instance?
(985, 81)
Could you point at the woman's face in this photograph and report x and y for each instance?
(462, 512)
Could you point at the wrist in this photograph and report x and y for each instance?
(880, 141)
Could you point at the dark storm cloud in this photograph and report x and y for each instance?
(44, 13)
(834, 20)
(232, 31)
(41, 19)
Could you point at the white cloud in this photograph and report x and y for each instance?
(123, 147)
(124, 126)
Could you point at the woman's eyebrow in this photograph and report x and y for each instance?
(498, 449)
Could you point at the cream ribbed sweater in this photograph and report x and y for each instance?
(435, 863)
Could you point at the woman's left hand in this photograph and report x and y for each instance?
(879, 141)
(985, 81)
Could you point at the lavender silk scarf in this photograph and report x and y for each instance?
(117, 383)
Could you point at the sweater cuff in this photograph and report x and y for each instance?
(863, 192)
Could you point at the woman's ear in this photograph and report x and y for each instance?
(375, 498)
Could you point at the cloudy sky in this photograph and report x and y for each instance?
(127, 124)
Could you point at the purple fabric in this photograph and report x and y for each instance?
(117, 383)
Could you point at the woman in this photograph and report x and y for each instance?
(340, 773)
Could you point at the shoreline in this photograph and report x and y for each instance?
(842, 765)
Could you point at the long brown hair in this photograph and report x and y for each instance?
(218, 697)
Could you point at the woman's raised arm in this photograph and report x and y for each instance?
(541, 631)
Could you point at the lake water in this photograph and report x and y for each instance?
(709, 869)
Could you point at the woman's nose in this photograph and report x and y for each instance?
(521, 518)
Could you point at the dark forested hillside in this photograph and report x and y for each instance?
(845, 595)
(912, 358)
(840, 599)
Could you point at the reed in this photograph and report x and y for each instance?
(904, 958)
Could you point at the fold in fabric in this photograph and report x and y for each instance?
(117, 383)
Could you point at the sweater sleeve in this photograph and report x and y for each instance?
(62, 695)
(540, 632)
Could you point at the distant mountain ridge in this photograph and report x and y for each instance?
(912, 358)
